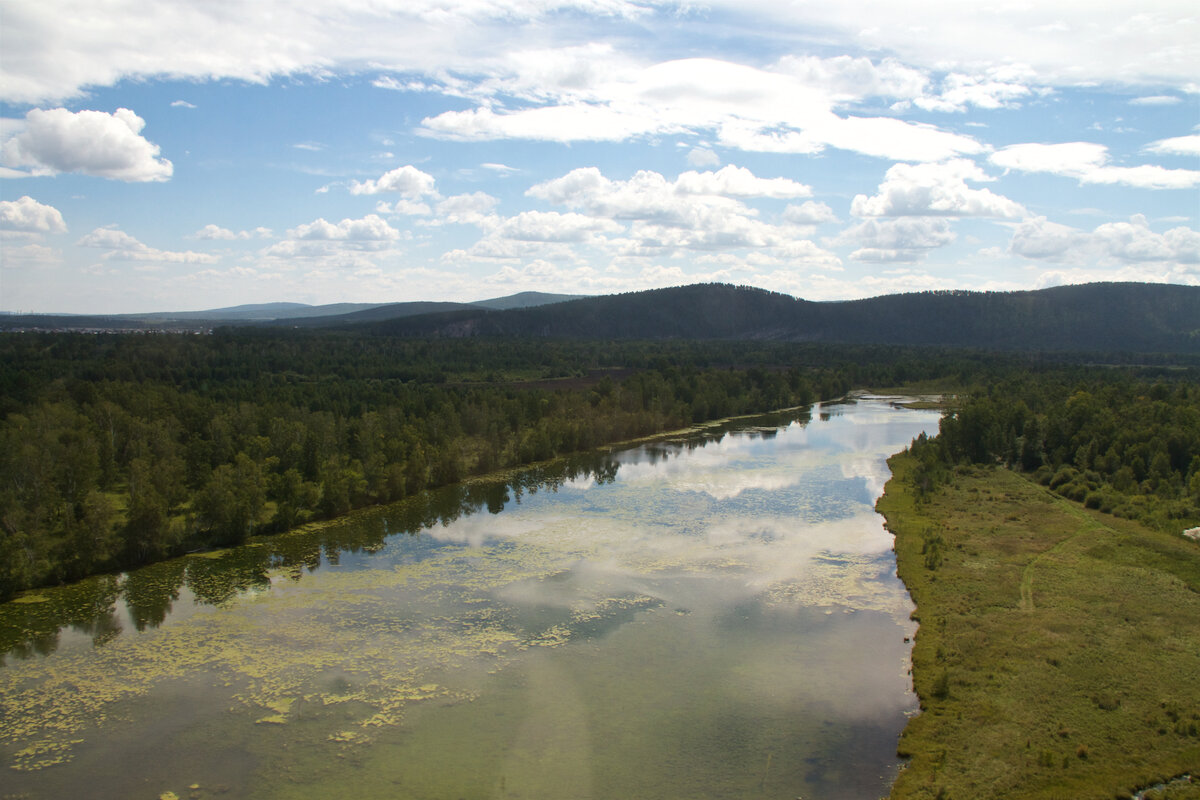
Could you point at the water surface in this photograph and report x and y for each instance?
(709, 616)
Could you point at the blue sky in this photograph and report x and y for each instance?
(190, 154)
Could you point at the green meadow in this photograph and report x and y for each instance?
(1058, 654)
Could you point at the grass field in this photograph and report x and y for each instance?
(1058, 654)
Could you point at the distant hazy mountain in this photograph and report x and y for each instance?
(1093, 317)
(402, 310)
(526, 300)
(1131, 317)
(256, 312)
(294, 314)
(388, 311)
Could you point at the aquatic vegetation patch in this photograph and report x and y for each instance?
(270, 651)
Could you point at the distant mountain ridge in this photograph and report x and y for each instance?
(297, 314)
(1099, 317)
(1091, 317)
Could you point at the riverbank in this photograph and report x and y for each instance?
(1058, 651)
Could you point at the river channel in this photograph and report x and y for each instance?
(712, 615)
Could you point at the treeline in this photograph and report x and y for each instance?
(1118, 443)
(120, 450)
(123, 450)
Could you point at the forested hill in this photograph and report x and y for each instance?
(1092, 317)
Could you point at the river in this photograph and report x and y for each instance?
(711, 615)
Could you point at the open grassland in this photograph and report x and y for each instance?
(1058, 654)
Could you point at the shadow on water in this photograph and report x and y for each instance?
(101, 607)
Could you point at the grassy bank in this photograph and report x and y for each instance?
(1058, 654)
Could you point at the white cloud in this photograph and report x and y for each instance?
(703, 157)
(646, 216)
(1133, 241)
(56, 48)
(745, 107)
(734, 181)
(1123, 41)
(934, 190)
(404, 208)
(32, 255)
(648, 196)
(1088, 163)
(1178, 145)
(1156, 100)
(88, 142)
(551, 226)
(465, 209)
(903, 239)
(1068, 158)
(26, 215)
(352, 245)
(120, 246)
(369, 229)
(960, 92)
(181, 104)
(1112, 243)
(217, 233)
(809, 213)
(848, 79)
(1040, 238)
(407, 180)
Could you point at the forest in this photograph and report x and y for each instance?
(123, 449)
(1123, 446)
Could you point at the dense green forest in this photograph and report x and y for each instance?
(118, 450)
(1123, 446)
(123, 449)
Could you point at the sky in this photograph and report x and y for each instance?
(194, 154)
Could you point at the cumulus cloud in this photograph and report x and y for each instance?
(1088, 163)
(551, 226)
(744, 107)
(465, 209)
(904, 239)
(28, 216)
(404, 208)
(54, 49)
(120, 246)
(734, 181)
(1124, 41)
(88, 142)
(31, 255)
(935, 190)
(407, 181)
(1000, 88)
(1155, 100)
(809, 213)
(1040, 238)
(649, 196)
(217, 233)
(849, 79)
(703, 157)
(648, 216)
(1131, 242)
(370, 229)
(1178, 145)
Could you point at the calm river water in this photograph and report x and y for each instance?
(709, 616)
